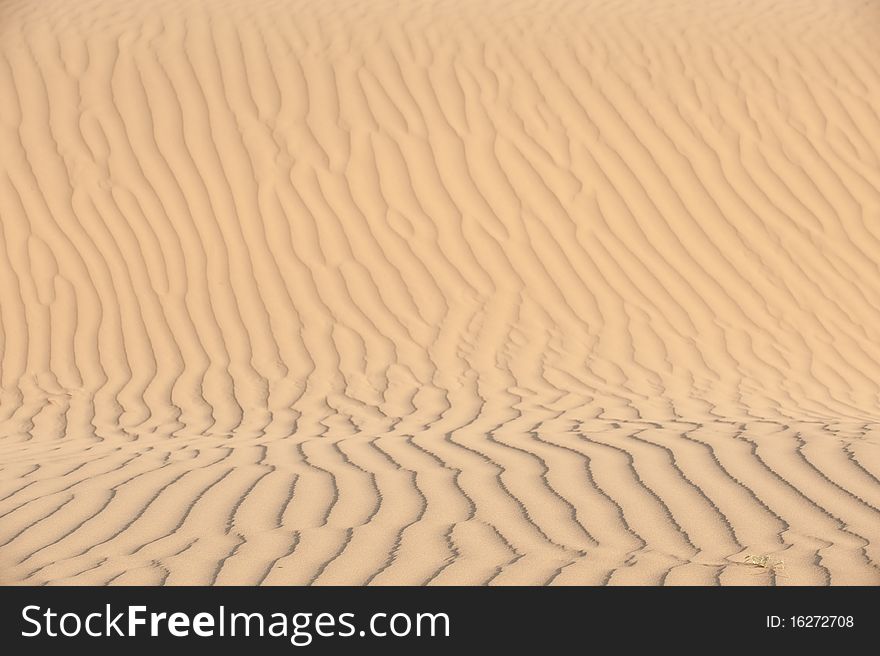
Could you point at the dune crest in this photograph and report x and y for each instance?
(300, 292)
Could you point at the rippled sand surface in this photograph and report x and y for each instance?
(440, 291)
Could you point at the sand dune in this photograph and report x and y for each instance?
(438, 291)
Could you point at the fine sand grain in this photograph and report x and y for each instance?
(440, 291)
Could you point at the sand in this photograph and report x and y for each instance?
(440, 292)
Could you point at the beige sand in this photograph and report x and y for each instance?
(440, 291)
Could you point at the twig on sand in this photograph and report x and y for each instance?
(765, 562)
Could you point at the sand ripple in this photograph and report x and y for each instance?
(439, 292)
